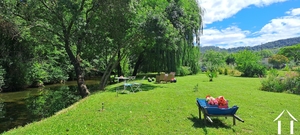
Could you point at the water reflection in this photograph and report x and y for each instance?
(2, 111)
(36, 105)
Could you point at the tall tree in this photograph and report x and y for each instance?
(170, 28)
(249, 64)
(62, 23)
(292, 52)
(14, 55)
(278, 60)
(213, 60)
(120, 34)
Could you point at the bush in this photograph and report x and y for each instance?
(251, 70)
(211, 75)
(220, 71)
(247, 63)
(226, 71)
(289, 83)
(286, 68)
(184, 70)
(46, 73)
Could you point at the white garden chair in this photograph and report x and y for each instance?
(137, 85)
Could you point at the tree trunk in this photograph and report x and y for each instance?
(106, 75)
(82, 89)
(137, 64)
(119, 68)
(111, 65)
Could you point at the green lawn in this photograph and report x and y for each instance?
(171, 109)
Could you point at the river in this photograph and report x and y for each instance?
(33, 104)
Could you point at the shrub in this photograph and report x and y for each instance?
(220, 71)
(289, 83)
(211, 75)
(278, 60)
(184, 70)
(46, 73)
(286, 68)
(226, 71)
(272, 83)
(250, 70)
(292, 83)
(247, 63)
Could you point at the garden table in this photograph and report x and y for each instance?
(125, 83)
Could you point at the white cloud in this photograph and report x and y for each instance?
(217, 10)
(214, 36)
(294, 12)
(278, 28)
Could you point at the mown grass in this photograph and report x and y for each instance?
(171, 109)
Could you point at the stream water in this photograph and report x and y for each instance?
(33, 104)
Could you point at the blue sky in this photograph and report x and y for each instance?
(234, 23)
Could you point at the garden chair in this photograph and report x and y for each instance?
(157, 78)
(131, 78)
(124, 87)
(162, 77)
(169, 77)
(137, 85)
(173, 73)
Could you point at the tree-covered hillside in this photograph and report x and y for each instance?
(270, 45)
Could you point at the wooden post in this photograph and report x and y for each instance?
(102, 106)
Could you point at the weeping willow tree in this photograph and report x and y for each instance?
(172, 30)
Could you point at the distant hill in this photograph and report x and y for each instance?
(269, 45)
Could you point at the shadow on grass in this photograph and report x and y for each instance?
(143, 87)
(199, 123)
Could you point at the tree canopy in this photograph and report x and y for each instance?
(67, 39)
(249, 64)
(292, 52)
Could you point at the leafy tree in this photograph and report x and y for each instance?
(292, 52)
(213, 60)
(169, 29)
(102, 36)
(248, 63)
(61, 23)
(121, 35)
(230, 59)
(15, 54)
(278, 60)
(76, 26)
(265, 53)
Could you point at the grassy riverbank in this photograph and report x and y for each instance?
(171, 109)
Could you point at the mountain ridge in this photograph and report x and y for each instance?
(269, 45)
